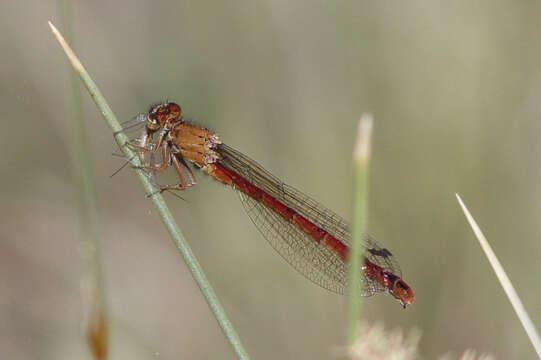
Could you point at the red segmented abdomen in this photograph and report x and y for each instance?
(233, 179)
(394, 284)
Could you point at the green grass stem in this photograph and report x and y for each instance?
(158, 201)
(361, 165)
(94, 307)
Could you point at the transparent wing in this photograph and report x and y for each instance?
(312, 259)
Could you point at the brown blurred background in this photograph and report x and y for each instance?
(455, 90)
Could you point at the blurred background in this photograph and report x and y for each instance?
(455, 90)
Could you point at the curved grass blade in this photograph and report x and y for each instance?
(158, 201)
(507, 286)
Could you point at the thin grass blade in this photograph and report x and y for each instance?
(158, 201)
(504, 281)
(361, 162)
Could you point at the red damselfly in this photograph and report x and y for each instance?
(312, 238)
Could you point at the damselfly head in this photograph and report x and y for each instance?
(163, 116)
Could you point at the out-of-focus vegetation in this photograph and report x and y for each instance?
(454, 90)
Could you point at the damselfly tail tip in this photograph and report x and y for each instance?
(403, 293)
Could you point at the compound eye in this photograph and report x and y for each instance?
(174, 109)
(152, 123)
